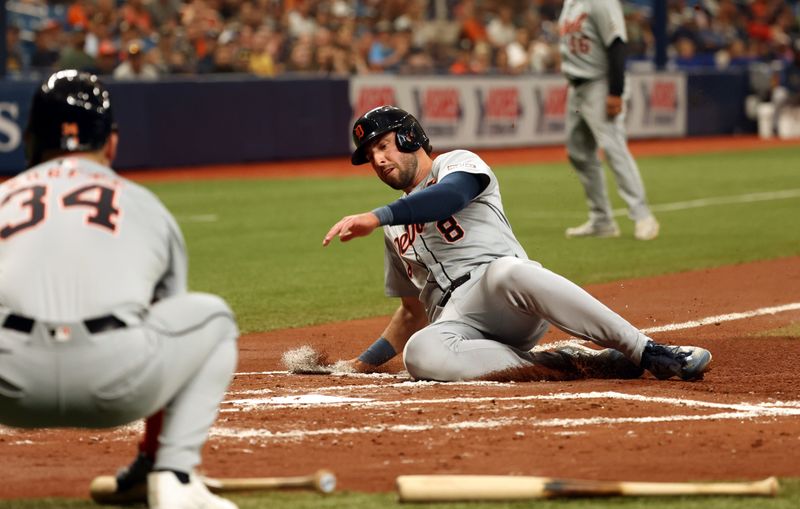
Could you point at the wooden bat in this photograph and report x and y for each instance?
(458, 488)
(103, 489)
(322, 481)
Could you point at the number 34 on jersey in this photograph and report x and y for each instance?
(29, 203)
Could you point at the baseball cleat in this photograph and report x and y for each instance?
(646, 229)
(605, 363)
(685, 362)
(590, 229)
(165, 491)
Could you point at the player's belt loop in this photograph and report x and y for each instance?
(93, 325)
(576, 82)
(104, 324)
(455, 284)
(18, 323)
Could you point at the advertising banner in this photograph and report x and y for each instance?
(484, 112)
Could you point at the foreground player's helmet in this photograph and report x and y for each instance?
(383, 119)
(70, 112)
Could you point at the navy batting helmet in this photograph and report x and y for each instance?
(70, 112)
(384, 119)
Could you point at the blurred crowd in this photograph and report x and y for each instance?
(148, 39)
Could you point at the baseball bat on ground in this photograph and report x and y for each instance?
(458, 488)
(322, 481)
(103, 489)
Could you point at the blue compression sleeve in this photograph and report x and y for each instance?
(436, 202)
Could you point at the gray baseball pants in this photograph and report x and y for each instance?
(490, 325)
(180, 358)
(588, 127)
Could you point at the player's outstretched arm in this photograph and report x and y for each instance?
(407, 319)
(350, 227)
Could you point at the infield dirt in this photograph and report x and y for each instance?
(741, 422)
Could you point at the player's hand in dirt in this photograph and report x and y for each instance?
(350, 227)
(361, 367)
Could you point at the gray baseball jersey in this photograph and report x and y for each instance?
(587, 28)
(83, 254)
(436, 254)
(490, 321)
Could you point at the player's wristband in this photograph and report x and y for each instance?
(378, 352)
(384, 215)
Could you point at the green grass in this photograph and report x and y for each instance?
(264, 253)
(789, 498)
(790, 331)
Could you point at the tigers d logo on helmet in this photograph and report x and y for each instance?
(383, 119)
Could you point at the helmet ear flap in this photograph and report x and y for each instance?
(410, 136)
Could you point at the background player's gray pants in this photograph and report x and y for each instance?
(181, 359)
(587, 128)
(491, 325)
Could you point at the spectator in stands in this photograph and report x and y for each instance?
(519, 60)
(791, 79)
(472, 26)
(687, 56)
(300, 20)
(78, 13)
(205, 47)
(481, 59)
(501, 30)
(301, 56)
(107, 58)
(47, 46)
(14, 59)
(640, 37)
(135, 14)
(461, 61)
(418, 61)
(135, 66)
(164, 12)
(425, 31)
(382, 50)
(226, 57)
(261, 60)
(73, 56)
(734, 55)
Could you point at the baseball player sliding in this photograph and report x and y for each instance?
(96, 326)
(592, 46)
(472, 303)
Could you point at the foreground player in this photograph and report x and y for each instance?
(98, 329)
(472, 303)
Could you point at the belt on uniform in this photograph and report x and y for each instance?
(93, 325)
(455, 284)
(576, 82)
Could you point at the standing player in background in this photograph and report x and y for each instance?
(592, 47)
(472, 303)
(96, 326)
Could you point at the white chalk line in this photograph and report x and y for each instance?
(772, 408)
(723, 318)
(721, 200)
(734, 411)
(743, 411)
(683, 205)
(296, 435)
